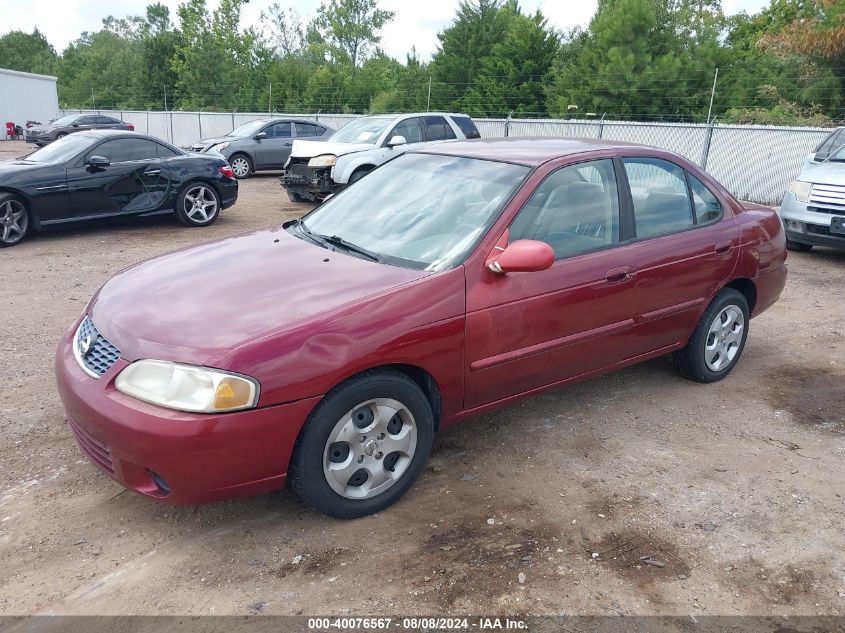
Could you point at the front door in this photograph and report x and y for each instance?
(135, 181)
(272, 152)
(528, 330)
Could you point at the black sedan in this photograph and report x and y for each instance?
(109, 174)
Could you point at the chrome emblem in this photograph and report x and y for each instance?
(84, 345)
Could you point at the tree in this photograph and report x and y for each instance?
(27, 52)
(350, 27)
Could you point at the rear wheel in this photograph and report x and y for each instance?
(363, 446)
(718, 340)
(798, 246)
(197, 204)
(14, 219)
(241, 165)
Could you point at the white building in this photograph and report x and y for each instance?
(26, 97)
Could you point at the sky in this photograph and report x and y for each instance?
(416, 24)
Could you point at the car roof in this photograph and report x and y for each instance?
(530, 151)
(403, 115)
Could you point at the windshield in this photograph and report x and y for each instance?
(838, 154)
(65, 120)
(248, 129)
(61, 150)
(420, 211)
(366, 130)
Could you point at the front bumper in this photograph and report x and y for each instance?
(806, 226)
(174, 456)
(308, 182)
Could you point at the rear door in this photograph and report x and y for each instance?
(684, 249)
(437, 128)
(273, 151)
(136, 180)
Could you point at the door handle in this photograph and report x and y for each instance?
(288, 144)
(723, 247)
(618, 275)
(152, 172)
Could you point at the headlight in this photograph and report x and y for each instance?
(326, 160)
(187, 387)
(221, 146)
(801, 190)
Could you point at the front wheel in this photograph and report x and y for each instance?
(14, 220)
(241, 166)
(363, 446)
(718, 339)
(197, 204)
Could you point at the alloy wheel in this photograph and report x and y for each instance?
(724, 338)
(13, 222)
(200, 204)
(240, 166)
(370, 448)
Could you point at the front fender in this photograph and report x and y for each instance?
(348, 163)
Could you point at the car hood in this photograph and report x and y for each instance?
(309, 149)
(199, 304)
(824, 173)
(214, 141)
(12, 167)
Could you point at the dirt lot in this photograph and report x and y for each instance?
(737, 487)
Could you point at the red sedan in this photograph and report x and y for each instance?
(450, 281)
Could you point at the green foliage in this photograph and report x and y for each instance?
(27, 52)
(350, 28)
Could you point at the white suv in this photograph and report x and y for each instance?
(317, 169)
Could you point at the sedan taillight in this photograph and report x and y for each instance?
(226, 171)
(131, 127)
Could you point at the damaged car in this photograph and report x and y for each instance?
(316, 170)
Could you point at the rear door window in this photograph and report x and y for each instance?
(306, 129)
(467, 126)
(278, 130)
(437, 129)
(660, 196)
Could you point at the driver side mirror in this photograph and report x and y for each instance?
(98, 162)
(260, 136)
(75, 124)
(396, 140)
(522, 256)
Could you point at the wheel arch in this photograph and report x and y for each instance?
(33, 215)
(748, 288)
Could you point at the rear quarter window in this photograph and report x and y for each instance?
(467, 126)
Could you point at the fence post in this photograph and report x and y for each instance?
(601, 125)
(508, 123)
(705, 154)
(147, 131)
(199, 120)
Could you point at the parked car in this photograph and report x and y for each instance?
(107, 174)
(316, 170)
(452, 280)
(813, 208)
(43, 134)
(262, 144)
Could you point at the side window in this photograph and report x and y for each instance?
(278, 130)
(659, 193)
(575, 210)
(436, 129)
(306, 129)
(707, 206)
(164, 152)
(121, 150)
(467, 126)
(410, 129)
(87, 120)
(106, 120)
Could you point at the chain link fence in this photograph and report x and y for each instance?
(755, 163)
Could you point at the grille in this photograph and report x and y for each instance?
(99, 355)
(96, 450)
(822, 230)
(830, 197)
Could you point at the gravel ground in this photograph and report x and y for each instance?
(736, 487)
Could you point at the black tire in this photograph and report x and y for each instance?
(691, 360)
(250, 168)
(184, 216)
(15, 219)
(306, 471)
(798, 246)
(295, 197)
(60, 135)
(359, 173)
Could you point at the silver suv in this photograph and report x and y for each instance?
(813, 209)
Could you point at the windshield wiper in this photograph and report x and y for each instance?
(336, 241)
